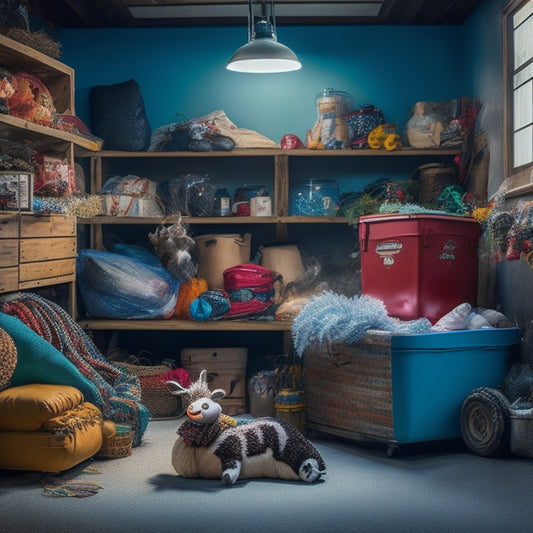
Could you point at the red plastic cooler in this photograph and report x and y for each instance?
(419, 265)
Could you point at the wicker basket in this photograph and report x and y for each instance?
(8, 357)
(119, 445)
(159, 401)
(433, 180)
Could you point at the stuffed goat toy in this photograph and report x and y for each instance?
(212, 445)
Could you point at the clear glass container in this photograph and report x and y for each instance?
(315, 198)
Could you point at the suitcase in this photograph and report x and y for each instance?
(226, 369)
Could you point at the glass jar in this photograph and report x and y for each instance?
(222, 203)
(314, 198)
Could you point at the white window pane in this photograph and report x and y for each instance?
(521, 77)
(523, 147)
(523, 42)
(522, 14)
(523, 106)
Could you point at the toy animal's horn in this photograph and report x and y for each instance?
(175, 388)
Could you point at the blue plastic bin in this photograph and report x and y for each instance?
(433, 373)
(401, 389)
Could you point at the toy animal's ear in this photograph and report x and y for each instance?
(175, 388)
(218, 394)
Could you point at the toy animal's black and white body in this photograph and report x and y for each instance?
(211, 445)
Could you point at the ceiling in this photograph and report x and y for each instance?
(117, 13)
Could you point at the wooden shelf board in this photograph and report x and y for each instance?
(36, 133)
(185, 325)
(212, 220)
(269, 152)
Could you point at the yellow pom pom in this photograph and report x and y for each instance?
(392, 142)
(481, 213)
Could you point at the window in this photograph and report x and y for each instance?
(518, 89)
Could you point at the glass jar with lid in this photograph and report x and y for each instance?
(315, 198)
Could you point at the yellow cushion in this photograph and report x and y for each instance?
(109, 429)
(68, 440)
(26, 407)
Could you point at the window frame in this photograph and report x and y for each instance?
(519, 177)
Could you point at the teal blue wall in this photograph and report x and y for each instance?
(484, 75)
(484, 78)
(181, 71)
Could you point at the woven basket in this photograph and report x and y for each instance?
(120, 445)
(433, 180)
(8, 357)
(159, 401)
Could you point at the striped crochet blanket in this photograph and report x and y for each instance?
(70, 357)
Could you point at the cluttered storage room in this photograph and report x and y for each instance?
(266, 265)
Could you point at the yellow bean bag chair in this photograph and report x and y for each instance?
(48, 428)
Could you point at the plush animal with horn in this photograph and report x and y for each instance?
(212, 445)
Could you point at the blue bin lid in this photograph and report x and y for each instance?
(465, 338)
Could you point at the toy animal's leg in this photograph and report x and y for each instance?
(231, 472)
(309, 471)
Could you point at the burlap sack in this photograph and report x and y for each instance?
(285, 259)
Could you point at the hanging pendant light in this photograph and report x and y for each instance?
(263, 53)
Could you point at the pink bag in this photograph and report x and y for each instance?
(250, 289)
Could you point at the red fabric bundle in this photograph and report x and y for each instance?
(250, 289)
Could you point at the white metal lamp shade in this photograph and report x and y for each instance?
(263, 53)
(263, 56)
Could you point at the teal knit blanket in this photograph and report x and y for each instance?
(52, 348)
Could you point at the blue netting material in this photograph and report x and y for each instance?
(330, 318)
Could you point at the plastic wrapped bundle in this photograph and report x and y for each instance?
(116, 286)
(188, 194)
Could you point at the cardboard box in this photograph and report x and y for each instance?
(16, 191)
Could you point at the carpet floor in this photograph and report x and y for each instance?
(445, 489)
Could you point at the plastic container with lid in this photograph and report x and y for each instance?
(316, 198)
(329, 100)
(243, 195)
(419, 265)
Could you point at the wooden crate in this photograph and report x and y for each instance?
(47, 250)
(9, 256)
(348, 390)
(37, 251)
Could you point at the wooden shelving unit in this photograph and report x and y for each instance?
(40, 251)
(277, 160)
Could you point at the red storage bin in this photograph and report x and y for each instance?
(419, 265)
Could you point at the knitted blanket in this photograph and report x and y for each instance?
(53, 348)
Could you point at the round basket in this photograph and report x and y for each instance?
(433, 180)
(159, 401)
(8, 357)
(119, 445)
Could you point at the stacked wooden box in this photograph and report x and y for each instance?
(36, 251)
